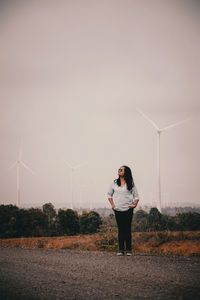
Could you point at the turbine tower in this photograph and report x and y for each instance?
(81, 187)
(159, 130)
(18, 163)
(72, 178)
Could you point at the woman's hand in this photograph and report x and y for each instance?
(135, 203)
(132, 206)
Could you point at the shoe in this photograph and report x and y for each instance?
(129, 253)
(120, 253)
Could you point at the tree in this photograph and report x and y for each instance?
(168, 223)
(23, 223)
(37, 223)
(140, 221)
(67, 222)
(50, 212)
(8, 216)
(154, 219)
(89, 222)
(188, 221)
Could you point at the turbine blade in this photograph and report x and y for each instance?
(69, 165)
(82, 164)
(25, 166)
(175, 124)
(147, 118)
(12, 166)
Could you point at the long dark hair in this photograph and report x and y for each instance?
(128, 178)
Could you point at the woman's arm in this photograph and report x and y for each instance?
(111, 202)
(135, 197)
(110, 194)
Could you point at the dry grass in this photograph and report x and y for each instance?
(179, 242)
(61, 242)
(166, 242)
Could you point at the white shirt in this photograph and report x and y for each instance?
(122, 197)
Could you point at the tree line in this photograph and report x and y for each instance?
(155, 221)
(35, 222)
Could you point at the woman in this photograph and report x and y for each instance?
(123, 197)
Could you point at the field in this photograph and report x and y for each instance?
(185, 243)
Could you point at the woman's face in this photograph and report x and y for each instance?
(121, 171)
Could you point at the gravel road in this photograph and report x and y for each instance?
(74, 274)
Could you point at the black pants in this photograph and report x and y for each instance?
(124, 219)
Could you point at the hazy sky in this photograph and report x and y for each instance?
(71, 76)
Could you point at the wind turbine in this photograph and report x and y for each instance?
(81, 187)
(18, 163)
(159, 130)
(72, 177)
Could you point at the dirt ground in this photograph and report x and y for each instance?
(77, 274)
